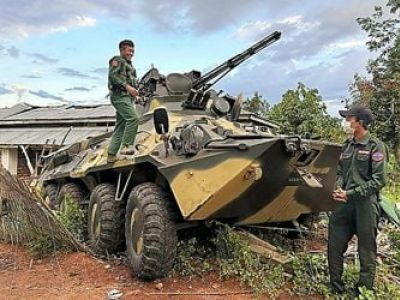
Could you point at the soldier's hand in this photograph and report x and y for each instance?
(132, 91)
(340, 195)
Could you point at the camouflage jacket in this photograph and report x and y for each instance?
(121, 73)
(361, 169)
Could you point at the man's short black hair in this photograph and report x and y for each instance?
(361, 112)
(126, 43)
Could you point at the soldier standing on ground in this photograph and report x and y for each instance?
(360, 177)
(123, 89)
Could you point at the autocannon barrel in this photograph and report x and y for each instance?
(220, 71)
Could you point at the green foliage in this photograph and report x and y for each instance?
(392, 188)
(382, 93)
(310, 274)
(256, 105)
(232, 258)
(42, 245)
(394, 238)
(193, 258)
(302, 110)
(72, 217)
(235, 259)
(311, 277)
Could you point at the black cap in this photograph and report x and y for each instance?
(124, 43)
(360, 112)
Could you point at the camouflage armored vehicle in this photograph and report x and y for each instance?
(197, 158)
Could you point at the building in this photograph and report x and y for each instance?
(27, 132)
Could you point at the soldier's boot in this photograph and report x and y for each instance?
(113, 158)
(128, 150)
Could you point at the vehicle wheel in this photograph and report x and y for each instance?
(150, 233)
(50, 196)
(106, 220)
(75, 192)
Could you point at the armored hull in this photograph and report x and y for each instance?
(197, 157)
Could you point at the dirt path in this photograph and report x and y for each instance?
(79, 276)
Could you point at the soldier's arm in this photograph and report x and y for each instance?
(379, 159)
(116, 76)
(339, 172)
(339, 176)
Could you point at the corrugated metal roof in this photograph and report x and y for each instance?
(38, 136)
(61, 113)
(16, 109)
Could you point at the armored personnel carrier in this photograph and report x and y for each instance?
(198, 158)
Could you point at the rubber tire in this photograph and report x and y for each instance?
(74, 190)
(111, 237)
(158, 232)
(50, 192)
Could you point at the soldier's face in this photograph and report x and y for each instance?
(353, 123)
(127, 52)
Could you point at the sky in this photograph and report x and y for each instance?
(57, 52)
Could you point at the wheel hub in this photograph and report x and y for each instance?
(95, 224)
(137, 231)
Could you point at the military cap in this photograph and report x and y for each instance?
(126, 43)
(360, 112)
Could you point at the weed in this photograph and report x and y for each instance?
(235, 259)
(73, 218)
(193, 258)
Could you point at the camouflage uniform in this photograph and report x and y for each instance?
(361, 173)
(121, 73)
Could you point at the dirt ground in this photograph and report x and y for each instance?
(79, 276)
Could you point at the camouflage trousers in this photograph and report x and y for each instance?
(356, 217)
(126, 125)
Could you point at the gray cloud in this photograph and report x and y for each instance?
(31, 76)
(41, 58)
(100, 71)
(273, 78)
(77, 89)
(197, 16)
(45, 95)
(13, 52)
(5, 91)
(72, 73)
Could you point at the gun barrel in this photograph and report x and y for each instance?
(227, 66)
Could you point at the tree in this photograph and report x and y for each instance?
(302, 110)
(256, 105)
(384, 37)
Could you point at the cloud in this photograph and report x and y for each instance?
(41, 58)
(330, 26)
(13, 52)
(5, 91)
(100, 71)
(199, 17)
(77, 89)
(45, 95)
(31, 76)
(273, 78)
(20, 90)
(72, 73)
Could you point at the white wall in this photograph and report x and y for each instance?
(9, 159)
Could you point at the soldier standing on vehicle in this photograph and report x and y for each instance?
(360, 177)
(123, 90)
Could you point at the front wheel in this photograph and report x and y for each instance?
(106, 220)
(150, 232)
